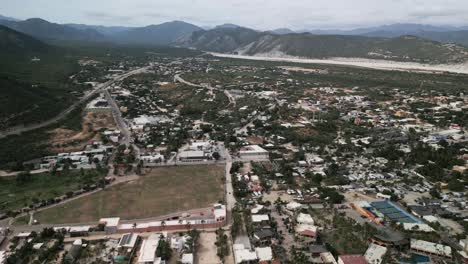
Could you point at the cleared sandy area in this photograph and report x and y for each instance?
(206, 253)
(358, 62)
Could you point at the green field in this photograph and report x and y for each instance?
(162, 191)
(16, 195)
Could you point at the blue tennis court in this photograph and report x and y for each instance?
(394, 212)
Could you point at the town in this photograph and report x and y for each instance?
(199, 159)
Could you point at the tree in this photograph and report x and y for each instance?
(222, 244)
(456, 186)
(434, 192)
(164, 250)
(216, 155)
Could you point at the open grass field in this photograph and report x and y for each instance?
(162, 191)
(16, 195)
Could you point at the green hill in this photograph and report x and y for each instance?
(52, 32)
(33, 79)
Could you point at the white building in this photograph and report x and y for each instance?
(260, 218)
(187, 259)
(148, 250)
(3, 257)
(431, 249)
(264, 253)
(375, 254)
(253, 152)
(241, 254)
(194, 156)
(152, 159)
(305, 219)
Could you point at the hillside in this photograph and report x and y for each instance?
(220, 39)
(13, 42)
(31, 90)
(47, 31)
(250, 42)
(458, 37)
(162, 34)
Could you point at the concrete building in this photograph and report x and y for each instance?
(352, 259)
(375, 254)
(430, 249)
(148, 250)
(253, 152)
(111, 224)
(194, 156)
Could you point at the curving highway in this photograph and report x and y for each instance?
(63, 114)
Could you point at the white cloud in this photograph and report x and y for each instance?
(260, 14)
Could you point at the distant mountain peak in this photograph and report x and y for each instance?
(8, 18)
(228, 25)
(283, 31)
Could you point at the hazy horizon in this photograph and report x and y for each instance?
(297, 15)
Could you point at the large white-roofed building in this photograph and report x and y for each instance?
(430, 249)
(375, 254)
(253, 152)
(147, 253)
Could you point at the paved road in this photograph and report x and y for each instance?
(99, 88)
(232, 100)
(179, 79)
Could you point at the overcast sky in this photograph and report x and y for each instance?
(258, 14)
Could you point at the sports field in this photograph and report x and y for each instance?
(162, 191)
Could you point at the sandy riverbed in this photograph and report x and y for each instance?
(358, 62)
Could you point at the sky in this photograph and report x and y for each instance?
(258, 14)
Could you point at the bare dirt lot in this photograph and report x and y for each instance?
(160, 192)
(207, 250)
(66, 140)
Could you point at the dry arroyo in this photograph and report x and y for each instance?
(358, 62)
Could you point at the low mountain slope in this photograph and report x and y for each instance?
(250, 42)
(220, 39)
(162, 34)
(15, 43)
(458, 37)
(32, 90)
(47, 31)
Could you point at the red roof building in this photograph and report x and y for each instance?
(352, 259)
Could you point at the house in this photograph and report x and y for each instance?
(305, 219)
(352, 259)
(152, 159)
(463, 253)
(417, 227)
(264, 253)
(327, 258)
(128, 241)
(263, 235)
(243, 255)
(260, 218)
(187, 259)
(111, 224)
(75, 251)
(375, 254)
(306, 233)
(148, 250)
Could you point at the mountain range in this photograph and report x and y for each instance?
(405, 42)
(249, 42)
